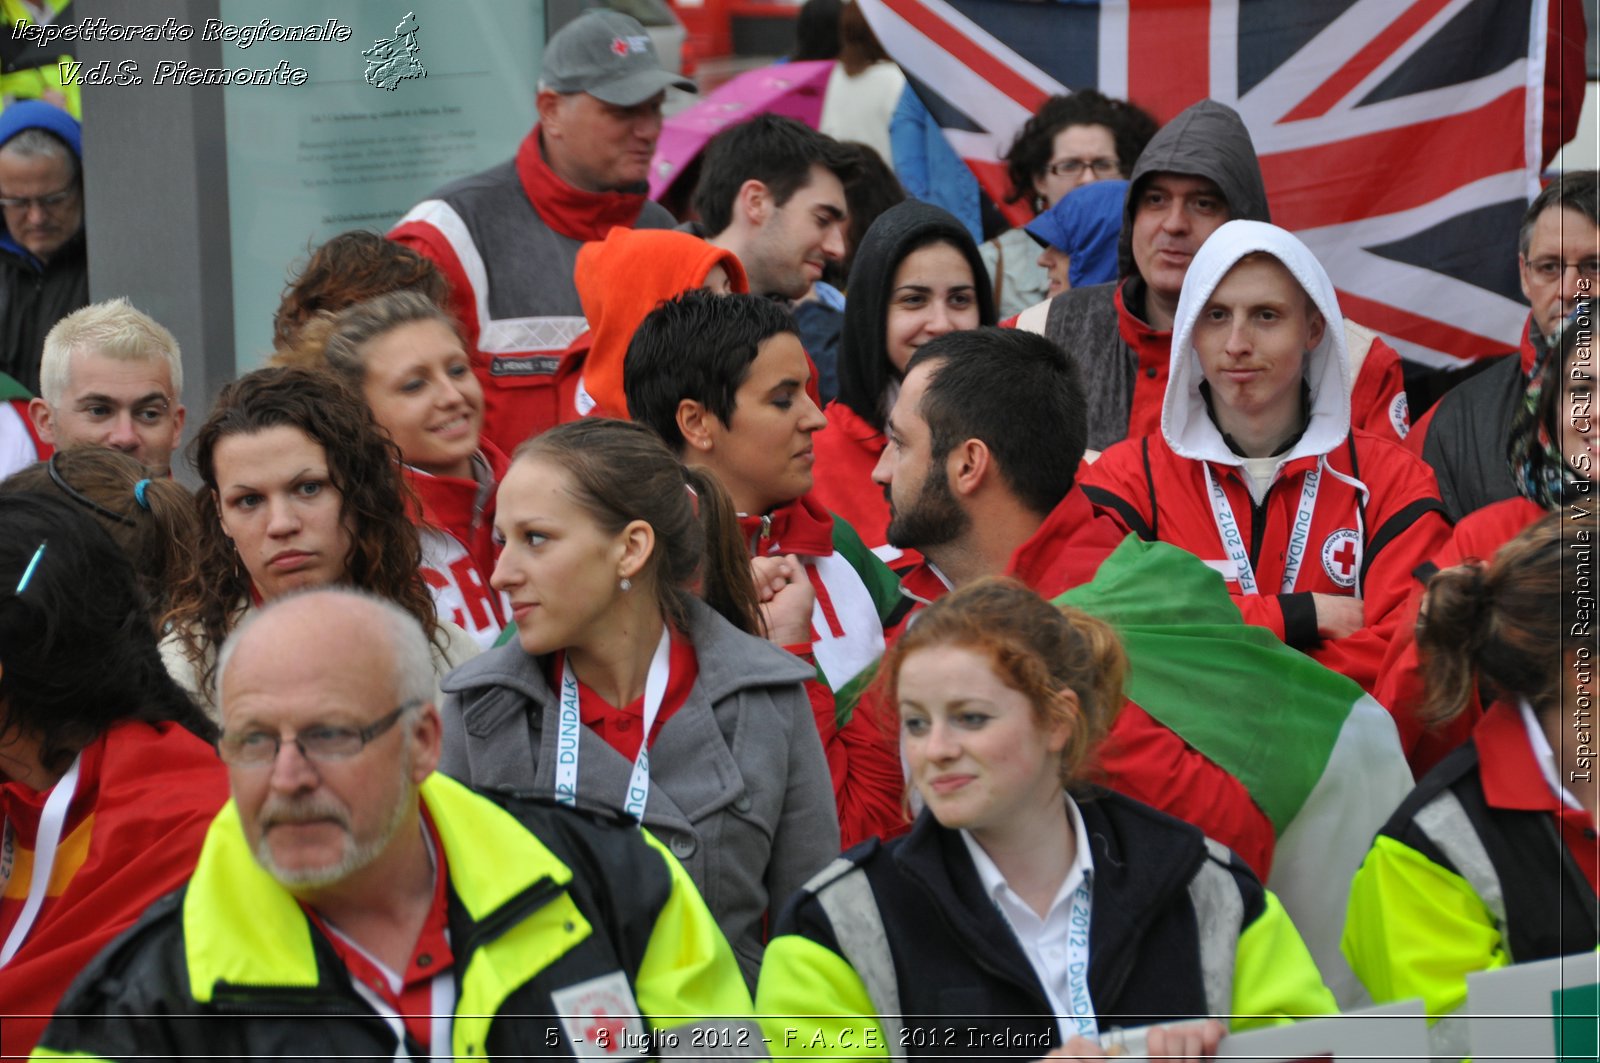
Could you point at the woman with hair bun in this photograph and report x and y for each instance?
(1492, 860)
(152, 520)
(108, 781)
(299, 488)
(639, 682)
(1553, 437)
(1026, 903)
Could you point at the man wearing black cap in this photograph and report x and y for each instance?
(508, 238)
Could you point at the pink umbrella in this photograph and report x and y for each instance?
(791, 89)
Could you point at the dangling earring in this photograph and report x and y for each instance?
(625, 584)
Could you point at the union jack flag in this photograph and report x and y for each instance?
(1400, 139)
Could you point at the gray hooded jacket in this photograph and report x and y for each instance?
(1207, 140)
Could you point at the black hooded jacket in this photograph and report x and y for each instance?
(864, 369)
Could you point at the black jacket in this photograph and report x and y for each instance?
(541, 900)
(958, 966)
(1469, 438)
(1548, 907)
(33, 298)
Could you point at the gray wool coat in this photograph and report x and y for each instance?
(739, 786)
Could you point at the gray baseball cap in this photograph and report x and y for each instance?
(608, 55)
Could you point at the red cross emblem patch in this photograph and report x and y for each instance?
(1341, 557)
(619, 46)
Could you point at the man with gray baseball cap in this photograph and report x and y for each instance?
(508, 238)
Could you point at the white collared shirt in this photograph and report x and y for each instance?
(1545, 756)
(1044, 941)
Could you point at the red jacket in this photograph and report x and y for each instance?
(1141, 757)
(1377, 398)
(846, 453)
(1400, 685)
(458, 552)
(1354, 546)
(146, 795)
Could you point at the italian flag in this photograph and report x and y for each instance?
(1319, 756)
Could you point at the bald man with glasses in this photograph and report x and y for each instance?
(394, 912)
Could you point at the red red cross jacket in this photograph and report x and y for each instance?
(1372, 516)
(857, 599)
(1400, 686)
(456, 526)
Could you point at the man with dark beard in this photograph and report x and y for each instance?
(984, 443)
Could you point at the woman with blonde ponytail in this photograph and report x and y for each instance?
(1492, 859)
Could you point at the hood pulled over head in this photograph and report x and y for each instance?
(1185, 422)
(625, 276)
(864, 371)
(1208, 139)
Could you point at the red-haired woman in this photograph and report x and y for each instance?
(1033, 907)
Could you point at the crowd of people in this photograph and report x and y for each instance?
(575, 646)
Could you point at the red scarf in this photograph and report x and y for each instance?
(800, 527)
(570, 211)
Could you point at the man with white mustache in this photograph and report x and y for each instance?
(393, 911)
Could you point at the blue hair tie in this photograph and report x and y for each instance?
(138, 495)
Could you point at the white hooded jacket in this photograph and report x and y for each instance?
(1185, 422)
(1343, 512)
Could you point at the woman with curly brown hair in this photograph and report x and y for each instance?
(300, 488)
(1033, 906)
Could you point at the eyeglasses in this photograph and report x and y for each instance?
(1102, 167)
(46, 202)
(255, 749)
(1553, 269)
